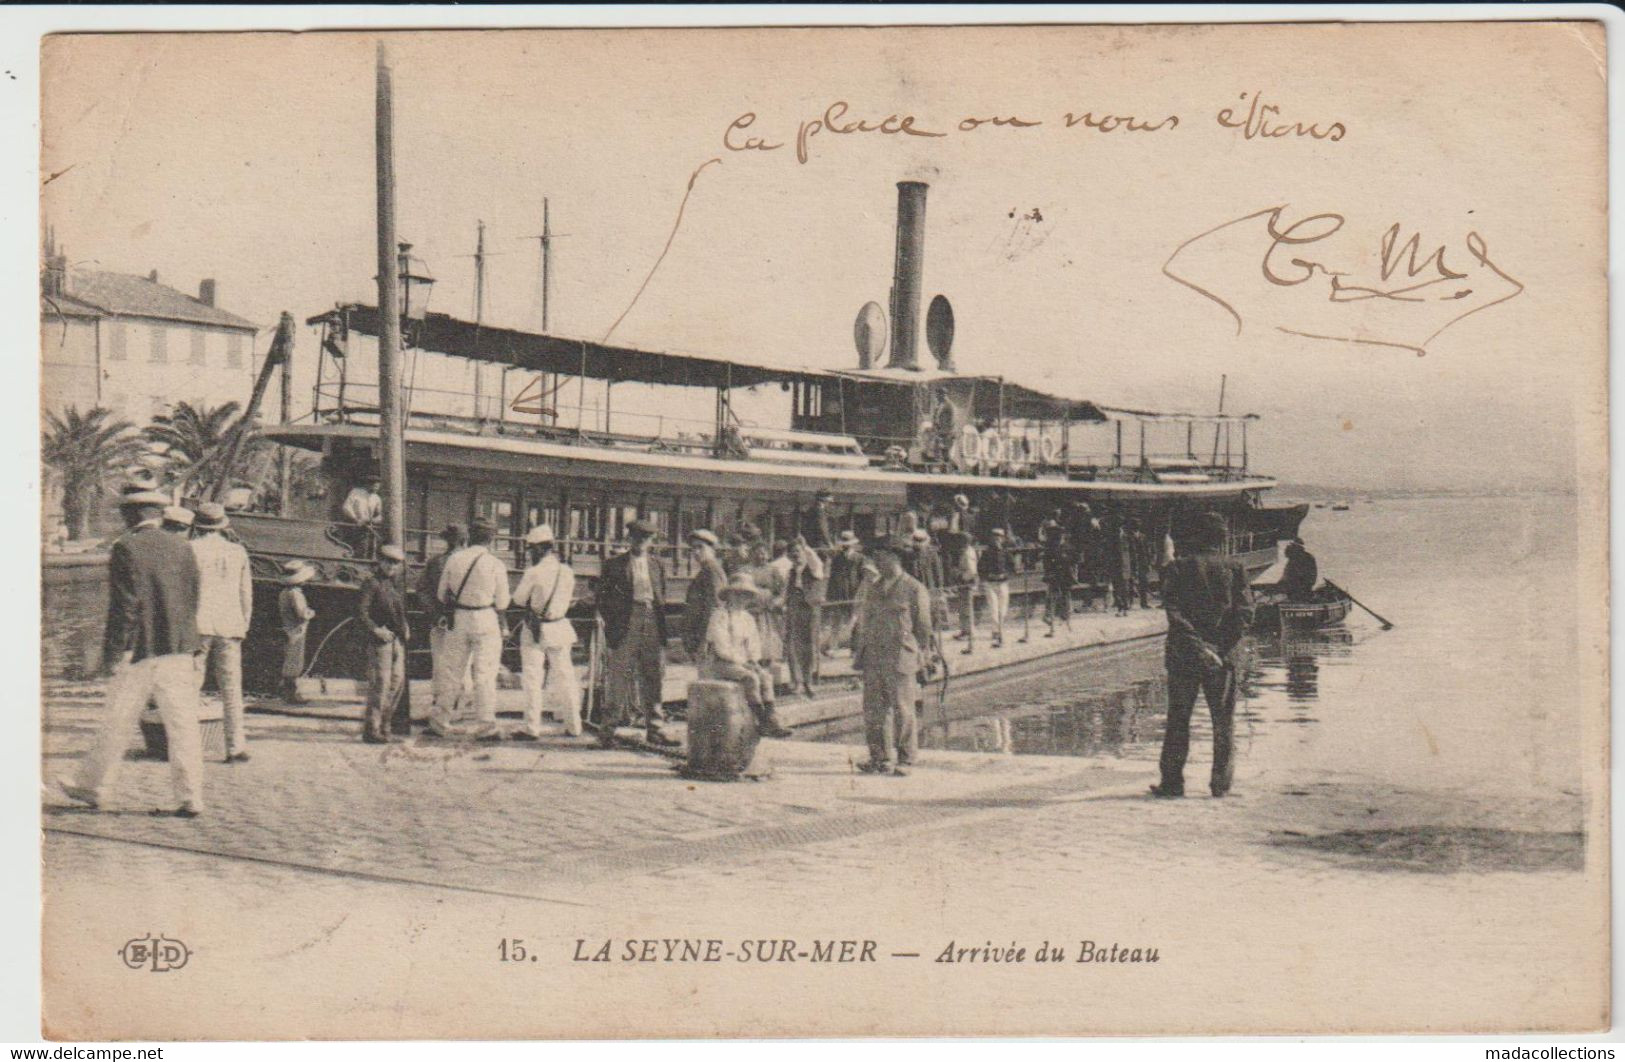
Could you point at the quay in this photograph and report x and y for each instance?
(838, 698)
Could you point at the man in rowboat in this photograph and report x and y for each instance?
(1209, 609)
(1302, 573)
(1298, 579)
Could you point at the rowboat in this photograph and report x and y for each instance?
(1330, 606)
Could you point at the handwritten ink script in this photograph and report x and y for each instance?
(1313, 275)
(1261, 120)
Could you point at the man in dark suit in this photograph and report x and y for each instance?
(891, 642)
(150, 641)
(1302, 572)
(630, 596)
(1209, 608)
(704, 589)
(817, 526)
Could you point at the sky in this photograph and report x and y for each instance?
(249, 158)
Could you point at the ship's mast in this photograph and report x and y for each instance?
(391, 421)
(547, 384)
(546, 239)
(479, 318)
(479, 275)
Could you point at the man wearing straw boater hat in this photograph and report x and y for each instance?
(148, 648)
(993, 570)
(545, 592)
(295, 614)
(891, 642)
(1209, 609)
(225, 607)
(630, 595)
(732, 648)
(474, 591)
(178, 520)
(381, 611)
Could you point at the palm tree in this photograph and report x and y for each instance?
(197, 438)
(84, 449)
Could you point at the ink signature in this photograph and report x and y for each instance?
(1318, 282)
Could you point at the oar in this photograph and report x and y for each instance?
(1386, 625)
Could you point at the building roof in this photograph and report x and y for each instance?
(124, 295)
(68, 306)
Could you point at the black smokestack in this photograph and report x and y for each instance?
(905, 292)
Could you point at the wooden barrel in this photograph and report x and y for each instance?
(722, 735)
(211, 721)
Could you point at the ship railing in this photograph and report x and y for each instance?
(488, 414)
(447, 410)
(1250, 541)
(462, 410)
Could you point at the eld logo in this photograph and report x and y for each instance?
(158, 954)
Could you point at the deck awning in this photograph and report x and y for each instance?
(442, 334)
(1194, 418)
(1023, 403)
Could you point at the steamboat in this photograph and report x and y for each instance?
(876, 440)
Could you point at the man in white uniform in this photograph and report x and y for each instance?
(225, 606)
(545, 592)
(474, 590)
(363, 509)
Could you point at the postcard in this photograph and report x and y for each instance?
(1044, 530)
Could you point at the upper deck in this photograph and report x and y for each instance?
(675, 462)
(868, 430)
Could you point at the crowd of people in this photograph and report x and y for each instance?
(180, 600)
(758, 613)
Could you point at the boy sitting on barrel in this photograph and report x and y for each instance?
(732, 648)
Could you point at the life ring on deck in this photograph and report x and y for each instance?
(970, 447)
(1048, 450)
(993, 449)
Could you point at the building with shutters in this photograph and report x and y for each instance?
(137, 346)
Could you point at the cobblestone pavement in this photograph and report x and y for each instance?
(518, 819)
(392, 874)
